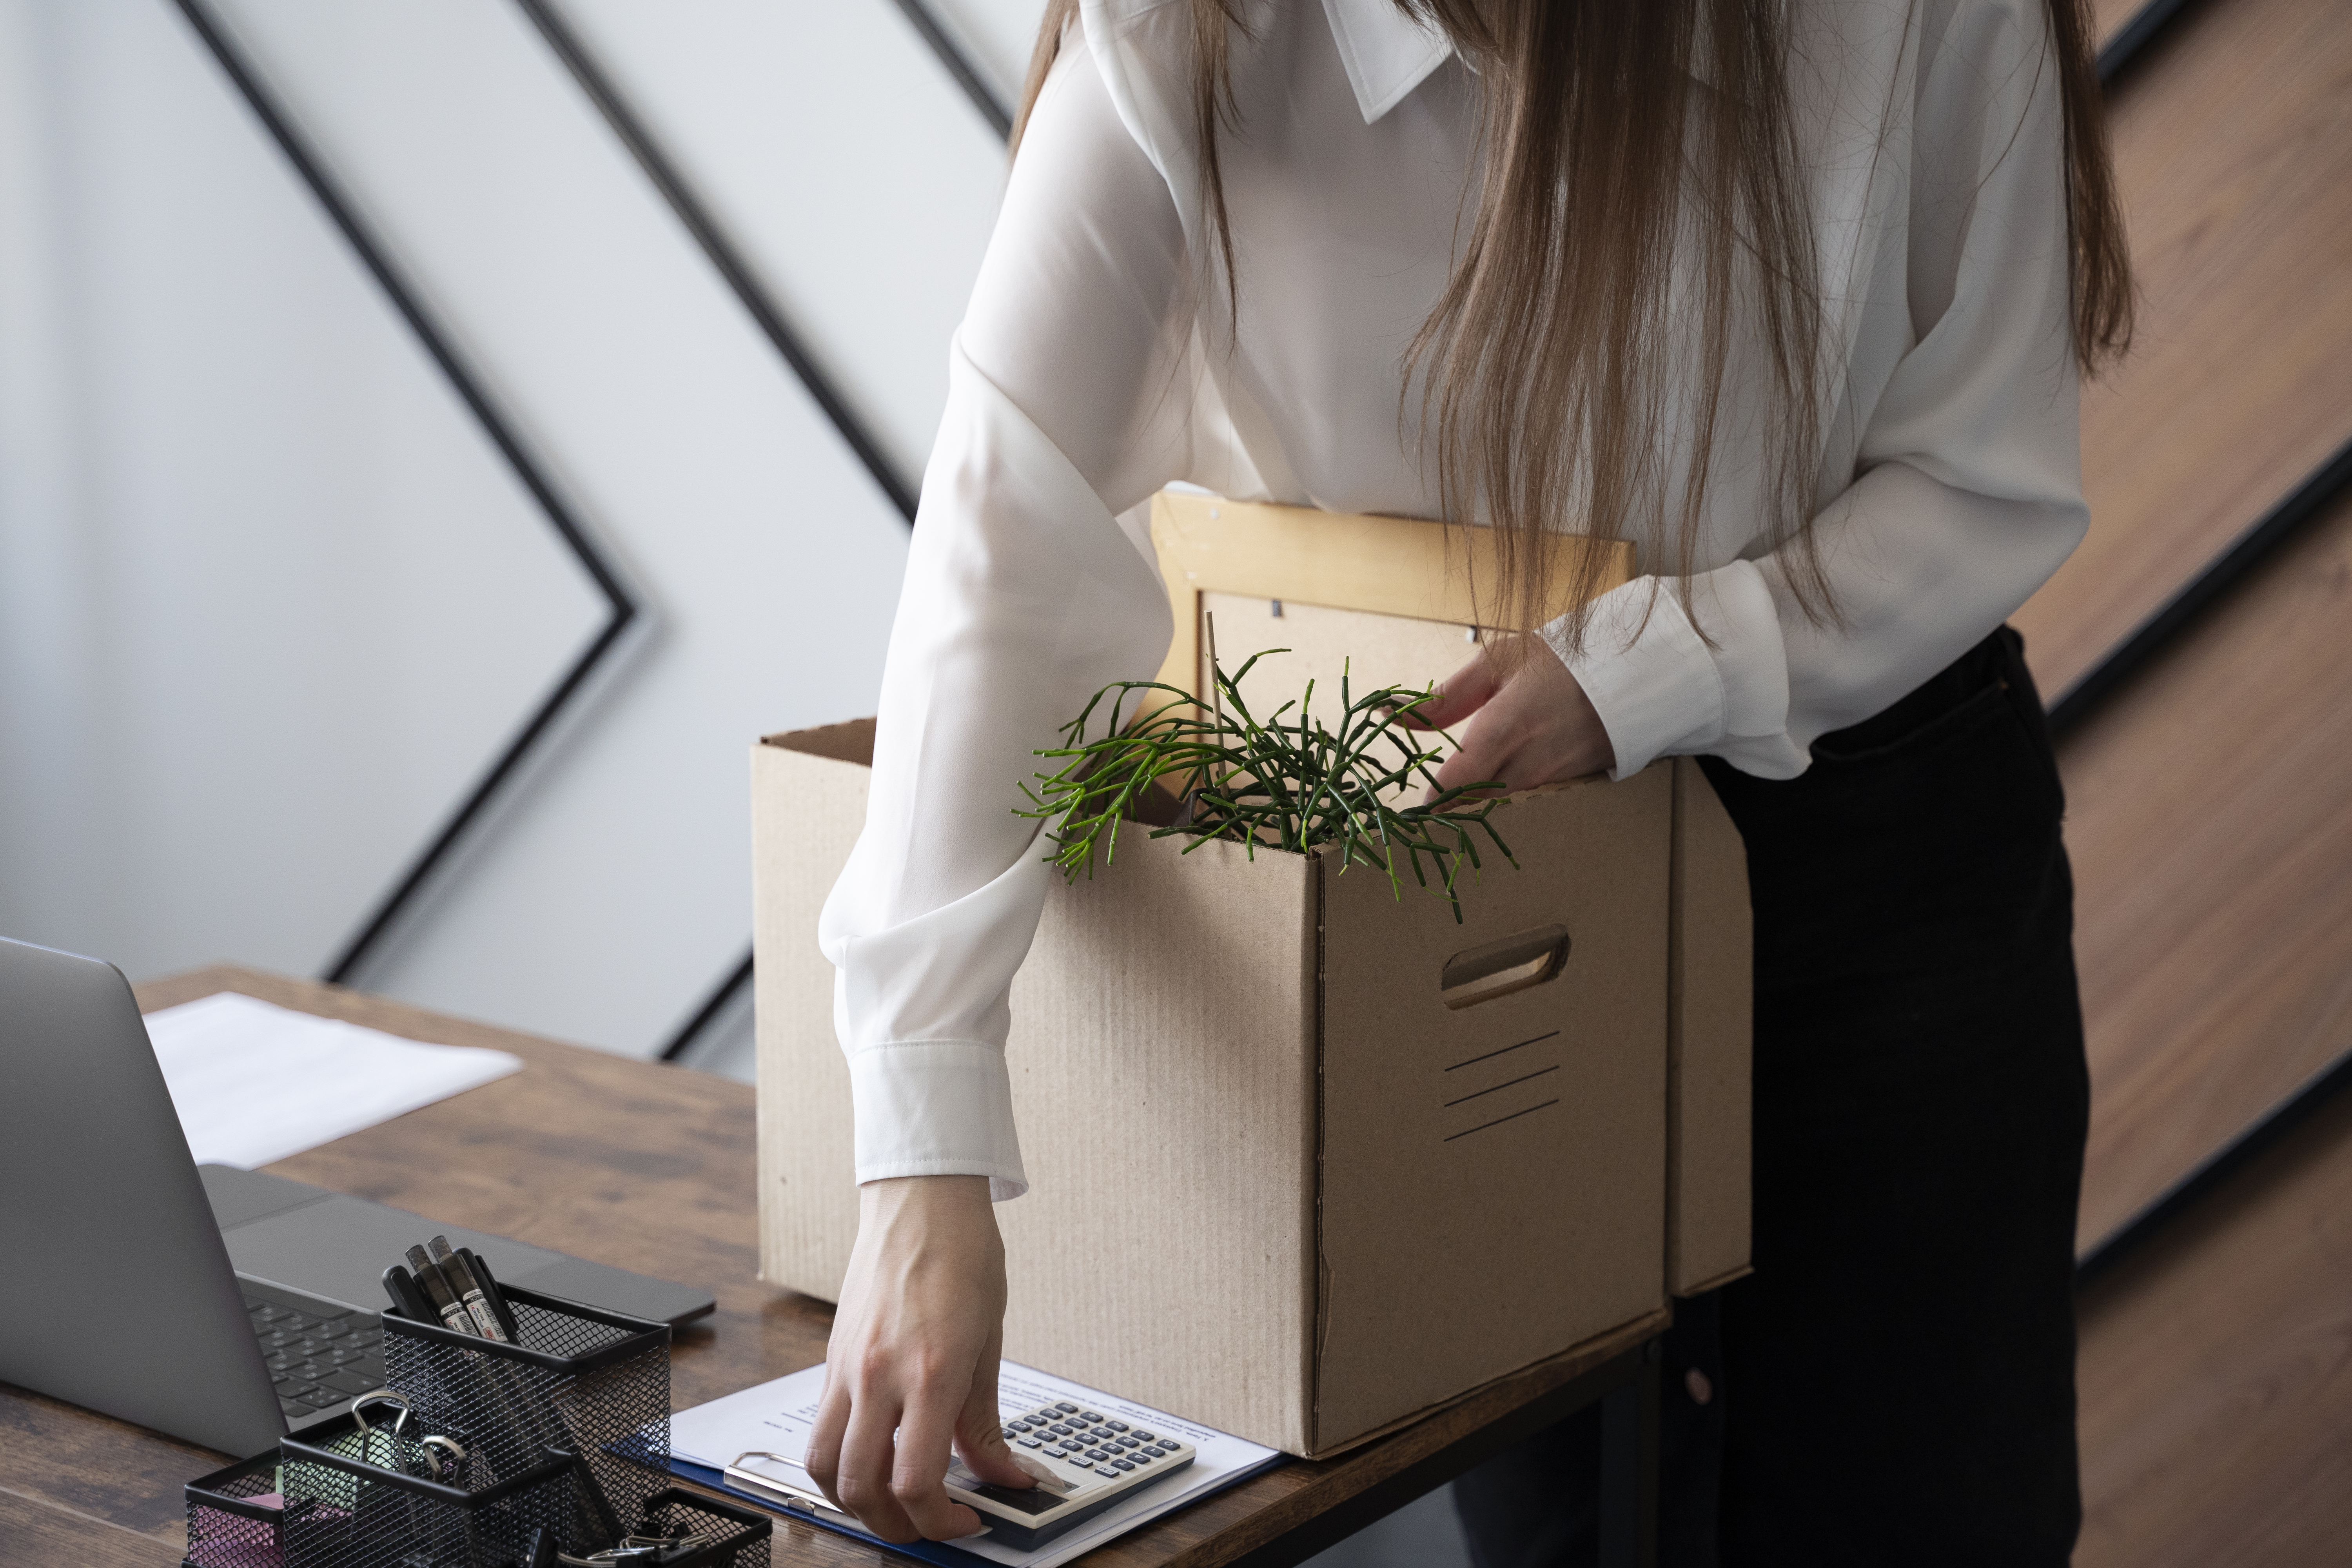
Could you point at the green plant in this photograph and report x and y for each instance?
(1284, 782)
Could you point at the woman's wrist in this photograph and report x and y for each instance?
(893, 1199)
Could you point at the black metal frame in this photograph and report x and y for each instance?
(622, 609)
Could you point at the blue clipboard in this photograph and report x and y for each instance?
(939, 1552)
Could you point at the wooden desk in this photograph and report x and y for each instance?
(650, 1167)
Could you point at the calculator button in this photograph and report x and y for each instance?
(1141, 1455)
(1016, 1425)
(1143, 1437)
(1088, 1417)
(1096, 1454)
(1028, 1442)
(1066, 1408)
(1122, 1464)
(1116, 1425)
(1059, 1430)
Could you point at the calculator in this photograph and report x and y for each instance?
(1089, 1461)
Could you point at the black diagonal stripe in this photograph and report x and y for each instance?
(2132, 39)
(975, 88)
(2302, 504)
(621, 607)
(716, 244)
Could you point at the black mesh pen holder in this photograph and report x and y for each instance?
(578, 1381)
(233, 1516)
(709, 1533)
(410, 1497)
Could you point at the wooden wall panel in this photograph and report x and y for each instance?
(2216, 1376)
(2233, 148)
(2210, 818)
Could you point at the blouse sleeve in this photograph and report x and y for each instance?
(1024, 595)
(1969, 487)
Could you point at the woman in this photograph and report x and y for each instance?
(1790, 293)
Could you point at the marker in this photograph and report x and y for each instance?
(469, 1291)
(490, 1288)
(407, 1299)
(430, 1279)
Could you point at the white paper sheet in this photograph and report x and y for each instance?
(254, 1083)
(776, 1416)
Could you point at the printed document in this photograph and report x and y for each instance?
(255, 1082)
(775, 1418)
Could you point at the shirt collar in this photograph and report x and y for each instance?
(1387, 53)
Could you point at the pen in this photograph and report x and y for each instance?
(468, 1290)
(407, 1299)
(490, 1288)
(429, 1279)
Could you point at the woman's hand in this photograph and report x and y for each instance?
(1529, 722)
(911, 1367)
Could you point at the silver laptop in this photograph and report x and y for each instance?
(219, 1306)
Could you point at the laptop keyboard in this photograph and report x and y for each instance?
(318, 1355)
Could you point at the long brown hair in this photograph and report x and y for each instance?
(1548, 361)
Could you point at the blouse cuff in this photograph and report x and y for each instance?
(937, 1108)
(1661, 690)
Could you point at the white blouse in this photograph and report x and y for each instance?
(1950, 486)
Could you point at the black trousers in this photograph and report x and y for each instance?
(1895, 1384)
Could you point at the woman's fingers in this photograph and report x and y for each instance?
(866, 1482)
(1538, 727)
(1459, 694)
(979, 1434)
(1486, 753)
(824, 1455)
(917, 1483)
(914, 1348)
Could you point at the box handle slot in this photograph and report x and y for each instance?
(1499, 968)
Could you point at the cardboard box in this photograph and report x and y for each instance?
(1279, 1185)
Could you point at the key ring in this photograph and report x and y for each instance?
(648, 1550)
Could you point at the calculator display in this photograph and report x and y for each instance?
(1036, 1500)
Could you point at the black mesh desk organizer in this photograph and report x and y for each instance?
(564, 1435)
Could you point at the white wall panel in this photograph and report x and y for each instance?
(269, 601)
(616, 889)
(842, 161)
